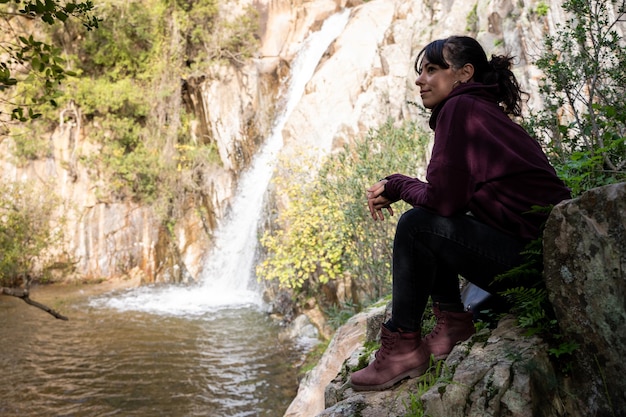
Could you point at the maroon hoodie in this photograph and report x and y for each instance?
(482, 162)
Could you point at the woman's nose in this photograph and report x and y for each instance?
(418, 80)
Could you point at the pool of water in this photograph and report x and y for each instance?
(107, 362)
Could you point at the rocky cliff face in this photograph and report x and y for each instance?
(368, 76)
(365, 78)
(503, 372)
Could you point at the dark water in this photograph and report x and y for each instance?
(103, 362)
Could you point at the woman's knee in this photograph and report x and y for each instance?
(428, 228)
(411, 226)
(416, 219)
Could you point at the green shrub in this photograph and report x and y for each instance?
(542, 9)
(123, 44)
(472, 19)
(27, 230)
(126, 86)
(136, 174)
(326, 231)
(30, 59)
(583, 127)
(583, 123)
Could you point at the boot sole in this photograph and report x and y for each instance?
(413, 373)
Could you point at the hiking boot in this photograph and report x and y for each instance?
(452, 327)
(401, 355)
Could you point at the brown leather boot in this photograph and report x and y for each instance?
(401, 355)
(451, 328)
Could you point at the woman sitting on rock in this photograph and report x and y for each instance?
(473, 214)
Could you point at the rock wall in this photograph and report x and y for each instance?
(368, 76)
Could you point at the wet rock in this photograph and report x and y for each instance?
(302, 328)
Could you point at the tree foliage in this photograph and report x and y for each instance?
(325, 231)
(29, 228)
(125, 81)
(584, 119)
(28, 57)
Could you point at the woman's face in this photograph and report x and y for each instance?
(435, 83)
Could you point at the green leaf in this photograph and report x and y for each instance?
(47, 17)
(61, 16)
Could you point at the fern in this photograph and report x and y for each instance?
(529, 272)
(530, 305)
(528, 296)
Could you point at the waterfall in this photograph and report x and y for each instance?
(228, 276)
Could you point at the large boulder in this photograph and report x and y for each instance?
(585, 270)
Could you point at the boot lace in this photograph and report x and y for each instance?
(387, 341)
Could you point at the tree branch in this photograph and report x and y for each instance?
(23, 294)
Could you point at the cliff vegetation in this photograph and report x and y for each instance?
(112, 74)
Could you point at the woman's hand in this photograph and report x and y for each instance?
(377, 202)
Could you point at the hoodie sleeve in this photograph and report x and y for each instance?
(449, 184)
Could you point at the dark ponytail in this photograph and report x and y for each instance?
(461, 50)
(510, 94)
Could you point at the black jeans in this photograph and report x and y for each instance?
(431, 251)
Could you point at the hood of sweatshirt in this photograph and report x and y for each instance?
(486, 92)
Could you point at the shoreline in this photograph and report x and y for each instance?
(58, 293)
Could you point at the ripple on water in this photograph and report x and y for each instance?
(103, 362)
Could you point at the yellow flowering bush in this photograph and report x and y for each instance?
(324, 230)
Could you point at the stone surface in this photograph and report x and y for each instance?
(585, 269)
(504, 372)
(310, 398)
(495, 373)
(508, 374)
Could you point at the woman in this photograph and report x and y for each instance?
(471, 217)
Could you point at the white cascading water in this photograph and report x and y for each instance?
(228, 276)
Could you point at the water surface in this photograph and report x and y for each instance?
(106, 362)
(173, 351)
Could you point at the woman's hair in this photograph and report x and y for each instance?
(461, 50)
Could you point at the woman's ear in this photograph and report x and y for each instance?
(467, 73)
